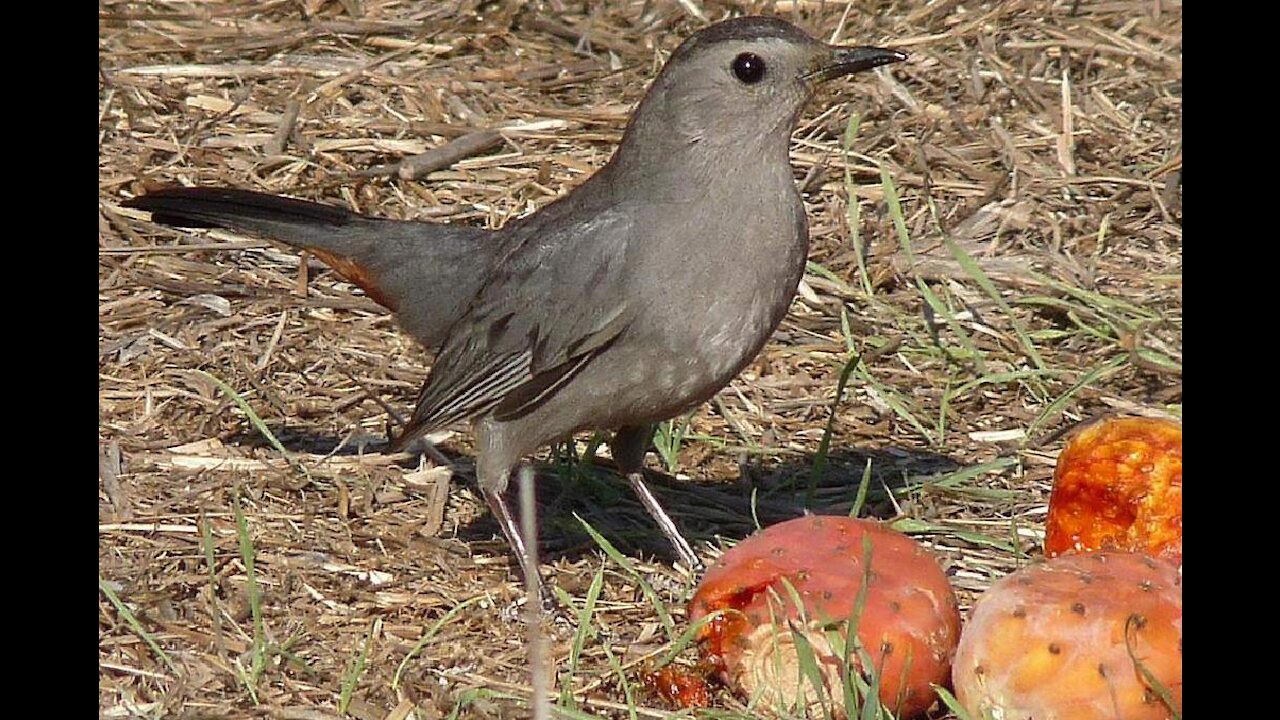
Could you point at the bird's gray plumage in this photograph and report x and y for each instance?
(427, 273)
(631, 299)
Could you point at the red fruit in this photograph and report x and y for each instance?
(909, 624)
(679, 686)
(1053, 641)
(1118, 486)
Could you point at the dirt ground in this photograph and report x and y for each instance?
(1022, 273)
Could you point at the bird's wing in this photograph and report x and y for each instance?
(549, 308)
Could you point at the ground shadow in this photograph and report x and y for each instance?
(571, 492)
(762, 494)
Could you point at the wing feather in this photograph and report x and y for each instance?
(551, 307)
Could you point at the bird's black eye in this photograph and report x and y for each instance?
(749, 68)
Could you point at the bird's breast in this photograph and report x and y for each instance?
(720, 301)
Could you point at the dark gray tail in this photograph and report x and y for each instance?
(427, 273)
(206, 207)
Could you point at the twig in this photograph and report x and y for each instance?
(109, 467)
(438, 158)
(275, 146)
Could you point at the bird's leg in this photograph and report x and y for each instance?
(497, 502)
(629, 444)
(493, 486)
(495, 461)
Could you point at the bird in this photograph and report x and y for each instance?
(630, 300)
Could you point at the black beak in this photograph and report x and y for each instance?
(848, 60)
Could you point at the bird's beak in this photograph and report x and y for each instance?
(848, 60)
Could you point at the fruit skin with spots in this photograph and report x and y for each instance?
(1053, 641)
(909, 625)
(1118, 486)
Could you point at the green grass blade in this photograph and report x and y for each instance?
(952, 704)
(912, 526)
(1000, 378)
(133, 622)
(1100, 372)
(824, 445)
(855, 207)
(253, 593)
(898, 407)
(864, 487)
(668, 435)
(687, 638)
(807, 661)
(256, 421)
(821, 271)
(616, 667)
(894, 204)
(855, 683)
(207, 547)
(1095, 299)
(1131, 627)
(355, 668)
(658, 606)
(934, 303)
(585, 618)
(973, 270)
(958, 479)
(430, 633)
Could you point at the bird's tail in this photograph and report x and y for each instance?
(206, 207)
(427, 273)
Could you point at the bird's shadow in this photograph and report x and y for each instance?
(572, 492)
(762, 494)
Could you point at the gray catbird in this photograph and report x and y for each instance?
(628, 301)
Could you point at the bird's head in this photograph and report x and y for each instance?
(741, 84)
